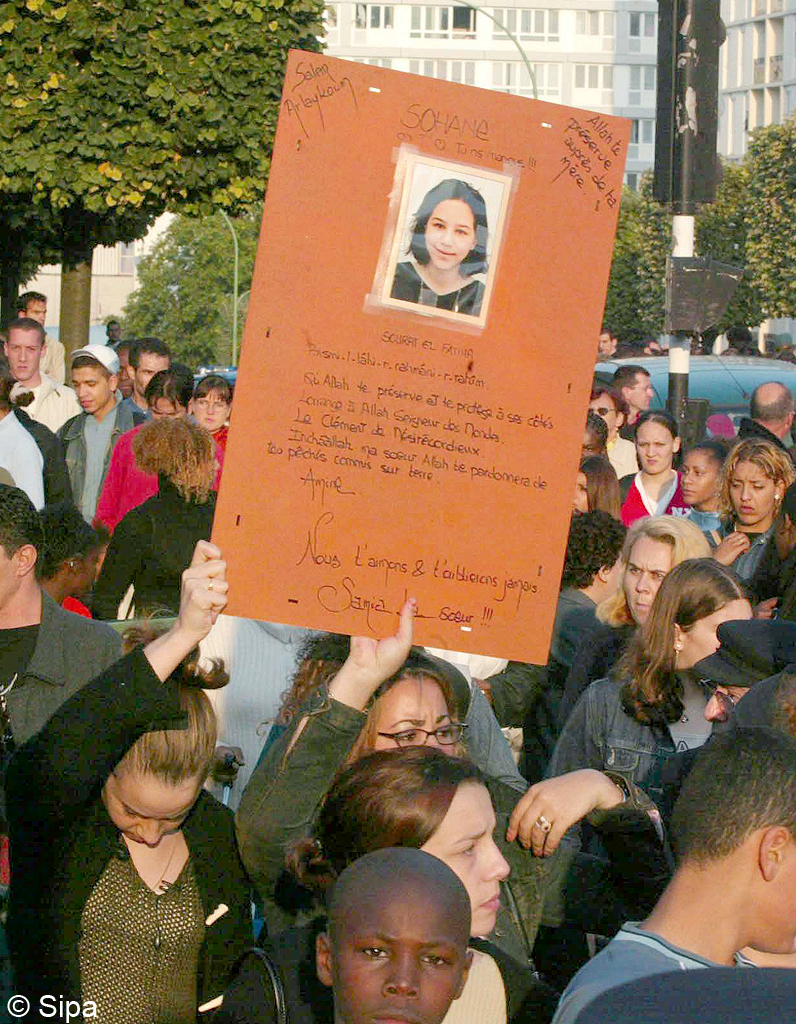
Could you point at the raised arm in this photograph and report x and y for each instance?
(63, 767)
(285, 791)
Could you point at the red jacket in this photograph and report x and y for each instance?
(633, 506)
(126, 486)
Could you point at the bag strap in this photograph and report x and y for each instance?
(276, 983)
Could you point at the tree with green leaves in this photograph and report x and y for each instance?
(112, 112)
(636, 291)
(185, 287)
(636, 288)
(721, 232)
(771, 215)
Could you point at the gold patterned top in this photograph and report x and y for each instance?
(139, 951)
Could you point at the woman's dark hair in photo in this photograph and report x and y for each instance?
(387, 798)
(452, 188)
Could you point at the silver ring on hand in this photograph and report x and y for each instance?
(210, 585)
(543, 824)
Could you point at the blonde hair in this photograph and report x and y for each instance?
(771, 460)
(684, 538)
(692, 591)
(180, 450)
(178, 755)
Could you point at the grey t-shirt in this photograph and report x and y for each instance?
(97, 437)
(693, 729)
(632, 953)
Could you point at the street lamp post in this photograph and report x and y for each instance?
(512, 37)
(234, 289)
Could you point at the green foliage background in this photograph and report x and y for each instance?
(119, 106)
(732, 230)
(186, 282)
(113, 111)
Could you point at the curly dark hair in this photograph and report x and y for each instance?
(180, 450)
(595, 539)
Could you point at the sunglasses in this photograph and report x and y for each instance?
(726, 702)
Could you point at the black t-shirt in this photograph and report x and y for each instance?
(16, 650)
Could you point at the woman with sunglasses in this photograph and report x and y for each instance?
(609, 404)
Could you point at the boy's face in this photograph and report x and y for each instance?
(399, 963)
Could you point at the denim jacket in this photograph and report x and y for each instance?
(600, 734)
(745, 565)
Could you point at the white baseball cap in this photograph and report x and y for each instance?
(102, 353)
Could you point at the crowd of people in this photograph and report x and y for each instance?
(386, 855)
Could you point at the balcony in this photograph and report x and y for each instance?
(775, 68)
(759, 76)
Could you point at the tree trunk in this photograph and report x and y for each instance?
(9, 289)
(75, 303)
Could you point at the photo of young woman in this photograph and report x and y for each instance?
(442, 239)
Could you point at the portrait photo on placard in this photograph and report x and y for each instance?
(442, 247)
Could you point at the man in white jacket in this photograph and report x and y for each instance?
(34, 306)
(53, 403)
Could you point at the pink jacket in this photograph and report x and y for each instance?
(126, 486)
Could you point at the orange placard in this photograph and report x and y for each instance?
(421, 334)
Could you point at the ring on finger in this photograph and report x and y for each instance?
(210, 585)
(543, 824)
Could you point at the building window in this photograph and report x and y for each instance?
(330, 16)
(448, 70)
(594, 76)
(642, 130)
(642, 77)
(594, 23)
(534, 25)
(442, 23)
(373, 16)
(642, 24)
(631, 180)
(127, 258)
(512, 76)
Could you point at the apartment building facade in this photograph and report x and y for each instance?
(598, 55)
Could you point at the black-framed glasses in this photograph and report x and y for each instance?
(445, 735)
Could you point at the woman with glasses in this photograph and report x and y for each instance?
(210, 407)
(609, 404)
(383, 695)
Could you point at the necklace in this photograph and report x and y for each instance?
(162, 885)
